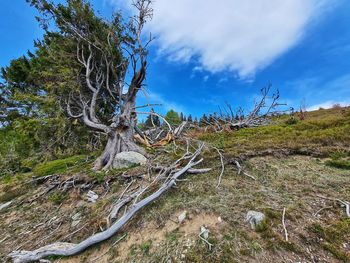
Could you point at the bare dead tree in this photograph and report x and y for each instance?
(113, 61)
(263, 108)
(120, 131)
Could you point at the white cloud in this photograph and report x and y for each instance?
(241, 36)
(197, 68)
(328, 104)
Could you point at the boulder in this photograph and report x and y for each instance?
(128, 159)
(254, 218)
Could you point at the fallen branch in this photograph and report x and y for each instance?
(179, 129)
(69, 249)
(203, 232)
(239, 171)
(346, 204)
(284, 224)
(222, 166)
(320, 210)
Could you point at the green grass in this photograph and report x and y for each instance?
(59, 166)
(321, 131)
(341, 164)
(174, 235)
(57, 198)
(333, 237)
(146, 246)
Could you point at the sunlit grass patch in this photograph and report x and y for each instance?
(59, 166)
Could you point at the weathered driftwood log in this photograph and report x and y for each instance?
(68, 249)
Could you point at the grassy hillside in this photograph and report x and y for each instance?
(296, 166)
(322, 132)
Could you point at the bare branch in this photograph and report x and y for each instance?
(68, 249)
(284, 225)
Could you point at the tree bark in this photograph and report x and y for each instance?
(121, 138)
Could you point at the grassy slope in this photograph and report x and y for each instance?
(322, 132)
(282, 181)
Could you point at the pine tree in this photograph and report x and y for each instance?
(173, 117)
(203, 121)
(181, 116)
(189, 119)
(152, 120)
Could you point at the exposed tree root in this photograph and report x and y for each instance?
(344, 203)
(239, 171)
(67, 249)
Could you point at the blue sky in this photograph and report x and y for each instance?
(210, 53)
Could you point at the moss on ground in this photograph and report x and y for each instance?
(59, 166)
(334, 236)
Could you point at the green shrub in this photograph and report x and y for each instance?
(341, 164)
(338, 155)
(57, 198)
(58, 166)
(221, 141)
(146, 246)
(291, 121)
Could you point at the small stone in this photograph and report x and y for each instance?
(76, 219)
(76, 216)
(92, 196)
(254, 218)
(75, 223)
(220, 219)
(182, 217)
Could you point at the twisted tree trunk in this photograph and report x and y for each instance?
(120, 138)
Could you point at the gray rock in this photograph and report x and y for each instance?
(254, 218)
(182, 217)
(76, 219)
(91, 196)
(128, 159)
